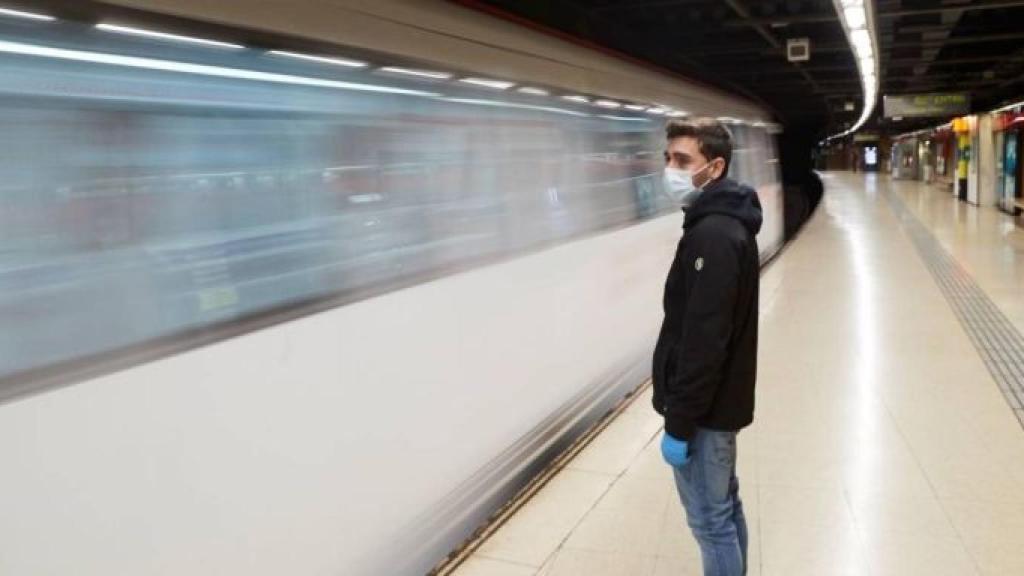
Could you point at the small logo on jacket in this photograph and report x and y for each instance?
(698, 264)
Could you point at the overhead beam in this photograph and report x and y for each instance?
(929, 77)
(783, 20)
(913, 91)
(1012, 80)
(831, 16)
(910, 62)
(742, 11)
(747, 20)
(839, 91)
(757, 70)
(798, 92)
(760, 50)
(807, 113)
(922, 28)
(619, 6)
(797, 84)
(651, 49)
(949, 8)
(945, 84)
(976, 39)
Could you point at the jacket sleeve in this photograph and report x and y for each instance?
(713, 270)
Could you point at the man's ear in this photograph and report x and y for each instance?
(721, 172)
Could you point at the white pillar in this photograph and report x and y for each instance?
(986, 162)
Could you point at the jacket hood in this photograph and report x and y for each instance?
(729, 197)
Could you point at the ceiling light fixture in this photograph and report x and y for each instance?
(862, 42)
(856, 17)
(859, 24)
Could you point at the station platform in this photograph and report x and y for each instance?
(887, 435)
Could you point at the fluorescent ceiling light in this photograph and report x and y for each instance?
(322, 59)
(533, 91)
(484, 82)
(658, 111)
(676, 113)
(607, 104)
(576, 98)
(861, 40)
(635, 107)
(856, 17)
(197, 69)
(860, 32)
(165, 36)
(418, 73)
(26, 15)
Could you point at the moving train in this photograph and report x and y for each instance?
(314, 288)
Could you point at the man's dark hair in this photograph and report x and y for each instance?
(713, 139)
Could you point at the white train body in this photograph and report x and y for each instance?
(265, 317)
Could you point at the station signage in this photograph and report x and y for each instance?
(924, 105)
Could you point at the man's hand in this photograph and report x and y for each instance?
(674, 451)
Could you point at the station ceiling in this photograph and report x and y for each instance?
(974, 46)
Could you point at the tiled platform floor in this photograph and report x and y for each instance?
(881, 445)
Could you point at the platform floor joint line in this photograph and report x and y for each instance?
(997, 340)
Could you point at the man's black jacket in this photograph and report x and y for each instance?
(705, 362)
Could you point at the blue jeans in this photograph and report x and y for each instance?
(710, 493)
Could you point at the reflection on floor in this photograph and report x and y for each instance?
(881, 445)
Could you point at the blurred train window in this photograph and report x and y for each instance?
(139, 204)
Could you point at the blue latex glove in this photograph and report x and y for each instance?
(674, 451)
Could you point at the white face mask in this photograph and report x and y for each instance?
(679, 185)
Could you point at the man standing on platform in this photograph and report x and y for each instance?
(705, 362)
